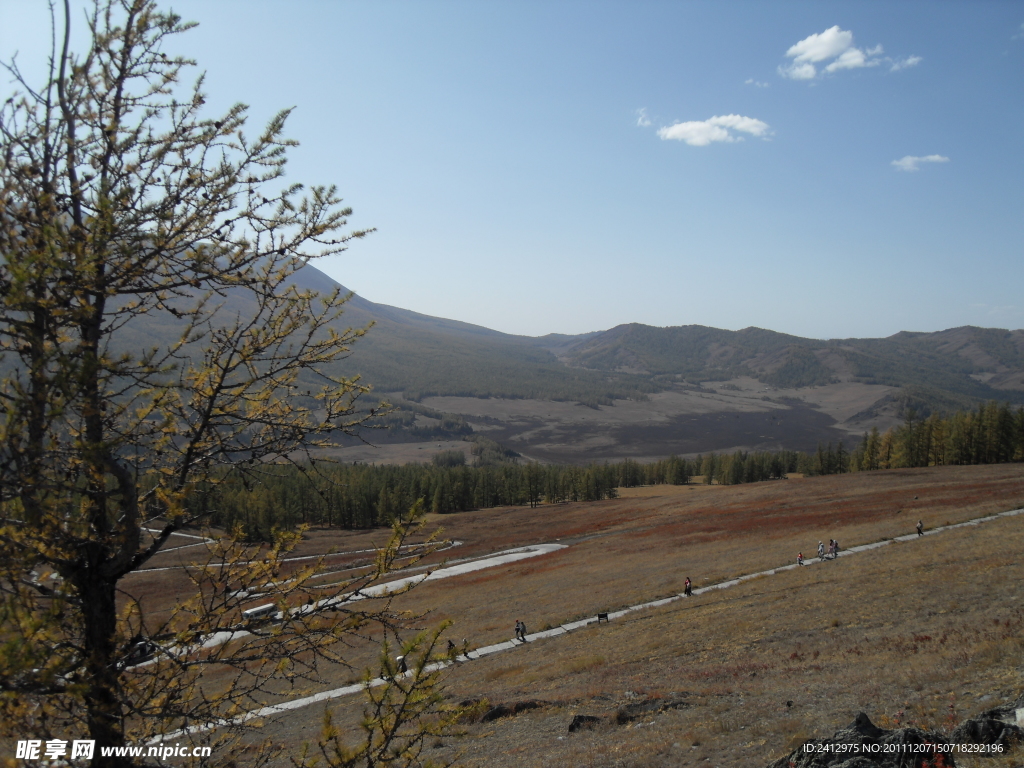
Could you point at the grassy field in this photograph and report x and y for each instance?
(924, 632)
(906, 633)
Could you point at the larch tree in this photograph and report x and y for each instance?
(124, 208)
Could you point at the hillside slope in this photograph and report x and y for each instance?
(650, 391)
(964, 364)
(420, 355)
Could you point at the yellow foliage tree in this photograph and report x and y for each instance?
(123, 208)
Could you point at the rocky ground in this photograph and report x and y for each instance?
(862, 744)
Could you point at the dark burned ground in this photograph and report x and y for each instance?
(800, 428)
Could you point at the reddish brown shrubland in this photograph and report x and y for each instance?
(893, 632)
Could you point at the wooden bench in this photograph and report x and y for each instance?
(602, 617)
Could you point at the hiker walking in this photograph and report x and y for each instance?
(688, 587)
(402, 666)
(920, 528)
(520, 630)
(799, 558)
(821, 550)
(835, 548)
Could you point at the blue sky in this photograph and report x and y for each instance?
(569, 166)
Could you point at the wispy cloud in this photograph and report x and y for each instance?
(1020, 34)
(906, 61)
(752, 81)
(642, 119)
(835, 46)
(911, 163)
(700, 133)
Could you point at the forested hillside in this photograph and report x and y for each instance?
(947, 369)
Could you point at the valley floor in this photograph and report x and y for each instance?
(741, 414)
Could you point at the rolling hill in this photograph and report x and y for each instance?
(651, 391)
(962, 364)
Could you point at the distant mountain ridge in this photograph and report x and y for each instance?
(968, 360)
(420, 356)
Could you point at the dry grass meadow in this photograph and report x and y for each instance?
(926, 632)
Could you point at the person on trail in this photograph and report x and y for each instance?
(835, 548)
(402, 666)
(688, 587)
(452, 650)
(799, 558)
(519, 626)
(522, 631)
(920, 528)
(821, 550)
(831, 548)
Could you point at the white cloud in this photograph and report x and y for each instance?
(827, 45)
(642, 120)
(852, 58)
(1020, 33)
(758, 83)
(835, 46)
(911, 163)
(700, 133)
(906, 61)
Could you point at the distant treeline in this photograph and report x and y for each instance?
(990, 435)
(993, 434)
(364, 496)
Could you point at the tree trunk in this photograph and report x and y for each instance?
(105, 714)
